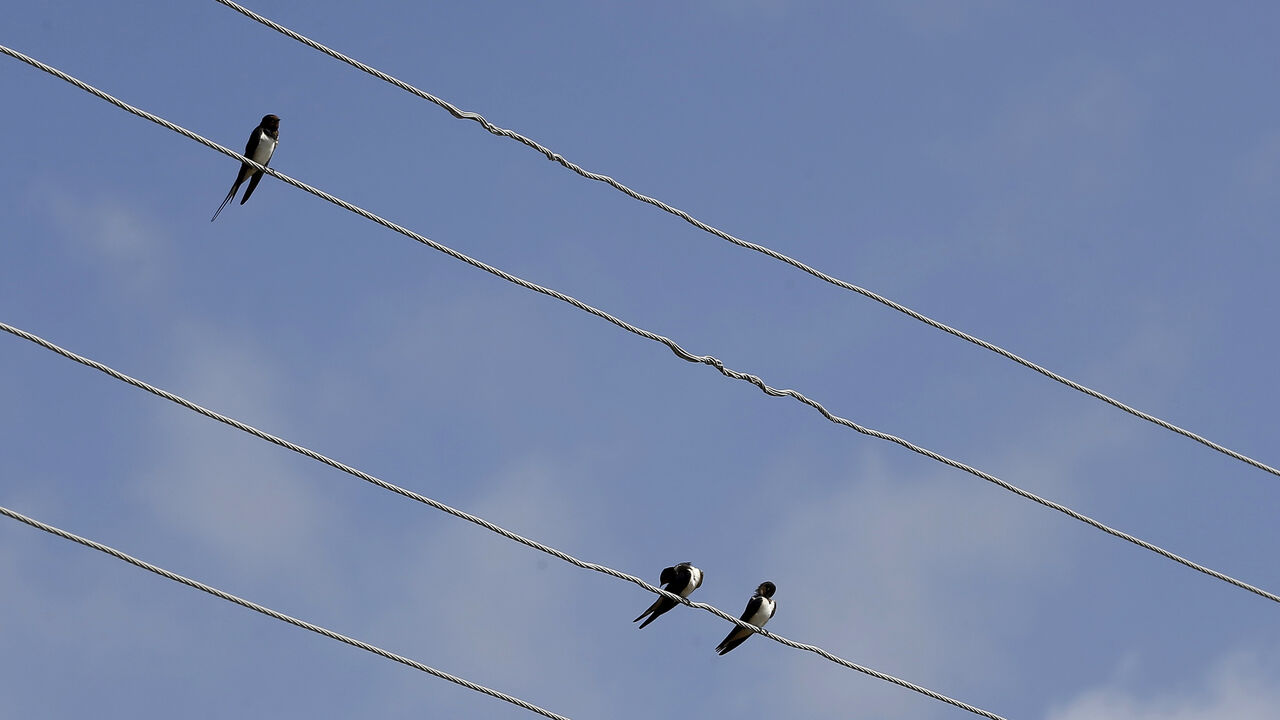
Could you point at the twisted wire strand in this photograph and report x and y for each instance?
(479, 520)
(670, 344)
(556, 157)
(278, 615)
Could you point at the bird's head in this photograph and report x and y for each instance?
(766, 589)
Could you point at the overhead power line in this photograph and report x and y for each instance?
(278, 615)
(481, 521)
(670, 344)
(558, 158)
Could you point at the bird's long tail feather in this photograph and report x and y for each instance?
(224, 202)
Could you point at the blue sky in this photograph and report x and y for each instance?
(1095, 187)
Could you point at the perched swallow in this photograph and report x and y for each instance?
(759, 609)
(262, 143)
(681, 579)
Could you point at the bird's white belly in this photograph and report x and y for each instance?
(762, 615)
(695, 579)
(266, 146)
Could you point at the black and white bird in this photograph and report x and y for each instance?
(680, 579)
(262, 143)
(759, 609)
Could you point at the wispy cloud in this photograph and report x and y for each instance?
(1260, 167)
(940, 17)
(239, 497)
(109, 232)
(463, 597)
(896, 572)
(1240, 686)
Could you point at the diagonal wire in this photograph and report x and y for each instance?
(278, 615)
(481, 521)
(670, 344)
(556, 157)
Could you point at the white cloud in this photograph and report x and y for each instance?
(751, 9)
(939, 17)
(463, 597)
(1237, 687)
(107, 232)
(908, 575)
(238, 496)
(1260, 166)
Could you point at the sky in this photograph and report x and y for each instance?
(1093, 186)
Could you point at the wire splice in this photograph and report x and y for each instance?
(679, 351)
(558, 158)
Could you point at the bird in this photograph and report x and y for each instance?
(680, 579)
(261, 145)
(759, 609)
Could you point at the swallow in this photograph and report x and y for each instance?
(261, 145)
(759, 609)
(680, 579)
